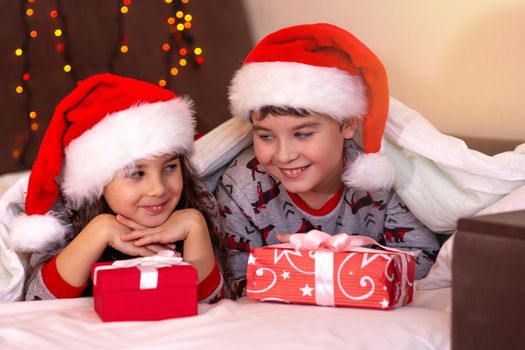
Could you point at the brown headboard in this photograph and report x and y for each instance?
(490, 146)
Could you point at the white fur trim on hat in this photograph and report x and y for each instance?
(318, 89)
(31, 233)
(139, 132)
(369, 172)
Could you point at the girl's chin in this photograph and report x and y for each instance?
(151, 222)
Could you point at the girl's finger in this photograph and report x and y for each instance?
(143, 251)
(156, 247)
(137, 234)
(149, 239)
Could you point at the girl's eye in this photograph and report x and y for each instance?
(170, 167)
(136, 174)
(303, 135)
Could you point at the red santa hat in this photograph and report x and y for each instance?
(105, 124)
(323, 69)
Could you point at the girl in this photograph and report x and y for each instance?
(114, 160)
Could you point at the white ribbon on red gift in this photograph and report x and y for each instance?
(341, 242)
(148, 266)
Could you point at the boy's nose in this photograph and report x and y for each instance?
(285, 152)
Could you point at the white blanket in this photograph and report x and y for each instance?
(244, 324)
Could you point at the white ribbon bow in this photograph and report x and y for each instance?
(148, 266)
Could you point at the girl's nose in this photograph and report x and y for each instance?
(156, 186)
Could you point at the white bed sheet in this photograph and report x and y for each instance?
(73, 324)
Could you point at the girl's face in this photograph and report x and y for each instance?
(149, 192)
(304, 153)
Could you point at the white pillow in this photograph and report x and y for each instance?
(216, 149)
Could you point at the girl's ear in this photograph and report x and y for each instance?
(349, 126)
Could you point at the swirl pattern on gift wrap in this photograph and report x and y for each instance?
(286, 253)
(259, 272)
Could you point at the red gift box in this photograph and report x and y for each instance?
(144, 289)
(331, 271)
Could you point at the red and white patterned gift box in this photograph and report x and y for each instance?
(317, 268)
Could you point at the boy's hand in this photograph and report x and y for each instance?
(283, 237)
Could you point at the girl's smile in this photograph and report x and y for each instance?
(155, 209)
(149, 192)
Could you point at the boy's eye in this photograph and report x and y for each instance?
(303, 135)
(263, 137)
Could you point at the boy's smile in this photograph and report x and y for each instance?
(149, 192)
(294, 172)
(304, 153)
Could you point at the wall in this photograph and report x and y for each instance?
(460, 63)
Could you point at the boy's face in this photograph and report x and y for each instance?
(304, 153)
(149, 192)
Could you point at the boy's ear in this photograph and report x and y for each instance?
(349, 126)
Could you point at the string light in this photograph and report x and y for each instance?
(178, 52)
(23, 89)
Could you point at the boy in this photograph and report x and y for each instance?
(305, 89)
